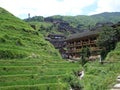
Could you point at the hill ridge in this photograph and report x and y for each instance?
(71, 24)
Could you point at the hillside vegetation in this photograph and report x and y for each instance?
(19, 39)
(102, 76)
(27, 61)
(71, 24)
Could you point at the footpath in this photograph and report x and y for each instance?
(117, 85)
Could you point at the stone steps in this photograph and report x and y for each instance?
(118, 79)
(117, 86)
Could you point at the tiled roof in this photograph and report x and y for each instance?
(83, 34)
(61, 35)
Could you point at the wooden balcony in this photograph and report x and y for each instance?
(95, 48)
(81, 44)
(73, 51)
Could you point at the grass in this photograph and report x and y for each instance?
(27, 61)
(102, 76)
(49, 86)
(45, 27)
(32, 75)
(115, 54)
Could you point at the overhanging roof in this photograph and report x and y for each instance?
(83, 34)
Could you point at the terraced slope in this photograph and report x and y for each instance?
(19, 40)
(37, 74)
(27, 61)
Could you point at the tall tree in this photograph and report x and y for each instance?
(85, 54)
(107, 39)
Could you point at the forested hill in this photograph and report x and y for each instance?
(107, 17)
(71, 24)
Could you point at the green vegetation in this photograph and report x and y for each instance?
(107, 17)
(108, 39)
(85, 52)
(71, 24)
(45, 28)
(102, 76)
(114, 55)
(27, 61)
(19, 40)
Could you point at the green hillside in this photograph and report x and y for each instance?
(60, 24)
(27, 61)
(18, 38)
(102, 76)
(107, 17)
(71, 24)
(85, 20)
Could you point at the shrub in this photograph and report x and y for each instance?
(2, 40)
(6, 36)
(20, 42)
(12, 54)
(74, 82)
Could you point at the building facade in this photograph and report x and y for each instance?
(75, 43)
(71, 47)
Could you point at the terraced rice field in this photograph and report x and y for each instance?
(35, 74)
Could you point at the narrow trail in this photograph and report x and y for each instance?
(117, 85)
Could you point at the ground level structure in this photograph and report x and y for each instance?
(71, 47)
(77, 42)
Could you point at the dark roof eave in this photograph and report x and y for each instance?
(81, 36)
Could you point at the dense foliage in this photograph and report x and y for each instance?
(72, 24)
(108, 38)
(102, 76)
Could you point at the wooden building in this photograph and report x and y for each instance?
(76, 42)
(71, 47)
(58, 40)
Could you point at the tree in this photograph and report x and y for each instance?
(118, 32)
(85, 55)
(107, 40)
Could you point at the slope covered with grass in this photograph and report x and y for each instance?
(19, 40)
(27, 61)
(103, 76)
(114, 55)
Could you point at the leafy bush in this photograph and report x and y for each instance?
(20, 42)
(100, 77)
(6, 36)
(12, 54)
(2, 40)
(115, 54)
(74, 82)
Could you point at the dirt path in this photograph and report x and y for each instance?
(117, 85)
